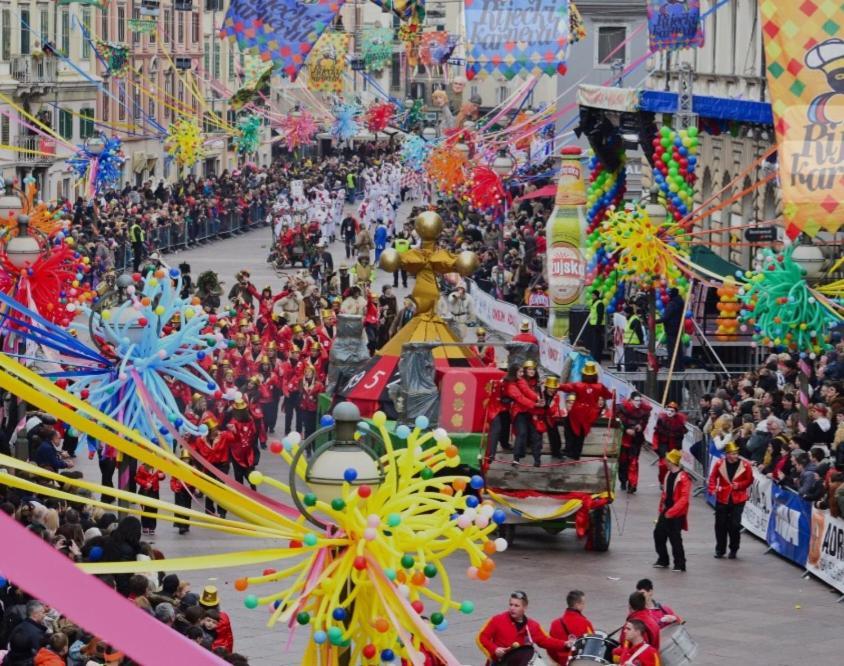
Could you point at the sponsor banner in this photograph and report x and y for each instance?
(611, 99)
(826, 549)
(789, 529)
(758, 509)
(674, 24)
(803, 51)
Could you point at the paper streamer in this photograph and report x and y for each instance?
(48, 575)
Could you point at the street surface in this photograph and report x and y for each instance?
(754, 610)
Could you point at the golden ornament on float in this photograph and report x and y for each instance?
(429, 225)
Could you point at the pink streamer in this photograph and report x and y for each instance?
(14, 117)
(47, 574)
(310, 583)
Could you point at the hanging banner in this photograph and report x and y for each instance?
(281, 31)
(377, 49)
(789, 530)
(516, 37)
(404, 9)
(826, 549)
(674, 24)
(327, 62)
(757, 510)
(803, 51)
(435, 48)
(577, 28)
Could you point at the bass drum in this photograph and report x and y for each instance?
(677, 647)
(524, 655)
(593, 649)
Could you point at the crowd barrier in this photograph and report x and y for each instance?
(809, 537)
(180, 235)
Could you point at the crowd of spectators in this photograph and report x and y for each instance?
(801, 449)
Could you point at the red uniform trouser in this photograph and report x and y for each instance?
(628, 460)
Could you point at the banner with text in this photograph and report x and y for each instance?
(789, 529)
(826, 549)
(516, 37)
(327, 62)
(758, 509)
(674, 24)
(803, 55)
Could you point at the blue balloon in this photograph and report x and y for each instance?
(387, 655)
(350, 474)
(95, 554)
(422, 422)
(472, 501)
(3, 582)
(320, 637)
(200, 355)
(174, 273)
(402, 432)
(339, 614)
(442, 626)
(477, 482)
(499, 516)
(326, 421)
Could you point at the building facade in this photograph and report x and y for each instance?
(62, 95)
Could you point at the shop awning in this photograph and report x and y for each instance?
(706, 258)
(139, 161)
(721, 108)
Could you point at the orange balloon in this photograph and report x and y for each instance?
(452, 451)
(401, 577)
(483, 574)
(241, 584)
(488, 565)
(447, 490)
(381, 625)
(459, 484)
(418, 579)
(145, 301)
(489, 547)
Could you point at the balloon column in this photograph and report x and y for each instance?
(782, 309)
(728, 308)
(605, 192)
(154, 341)
(675, 161)
(378, 567)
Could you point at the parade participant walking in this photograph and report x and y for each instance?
(148, 480)
(309, 389)
(669, 431)
(215, 447)
(513, 629)
(524, 392)
(585, 410)
(729, 482)
(662, 614)
(181, 492)
(634, 414)
(570, 626)
(247, 426)
(673, 514)
(524, 334)
(637, 652)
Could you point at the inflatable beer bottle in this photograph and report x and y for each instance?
(565, 235)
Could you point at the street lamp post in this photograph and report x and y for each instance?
(657, 214)
(22, 250)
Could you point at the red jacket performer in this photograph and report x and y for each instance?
(636, 651)
(585, 409)
(247, 426)
(210, 599)
(729, 481)
(525, 335)
(673, 513)
(634, 415)
(669, 431)
(513, 629)
(486, 352)
(571, 626)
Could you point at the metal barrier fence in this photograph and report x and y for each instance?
(183, 234)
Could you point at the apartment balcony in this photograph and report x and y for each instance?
(34, 72)
(43, 150)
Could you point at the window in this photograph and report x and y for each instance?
(180, 24)
(216, 72)
(151, 109)
(194, 28)
(180, 95)
(6, 51)
(86, 23)
(502, 94)
(168, 93)
(121, 103)
(230, 49)
(136, 104)
(610, 39)
(121, 24)
(25, 32)
(395, 72)
(206, 56)
(136, 15)
(66, 124)
(86, 123)
(4, 130)
(104, 25)
(168, 26)
(65, 45)
(106, 108)
(44, 26)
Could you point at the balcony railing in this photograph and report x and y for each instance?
(41, 150)
(27, 69)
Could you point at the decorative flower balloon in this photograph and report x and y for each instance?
(415, 151)
(447, 168)
(298, 129)
(783, 309)
(346, 125)
(485, 190)
(379, 565)
(249, 138)
(153, 340)
(185, 142)
(102, 168)
(41, 218)
(378, 116)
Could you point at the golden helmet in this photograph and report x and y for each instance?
(315, 346)
(551, 382)
(524, 327)
(309, 325)
(481, 331)
(210, 422)
(590, 368)
(255, 380)
(184, 454)
(243, 322)
(731, 447)
(196, 397)
(297, 329)
(265, 359)
(272, 345)
(255, 338)
(240, 404)
(529, 364)
(674, 456)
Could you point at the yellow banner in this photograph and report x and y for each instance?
(805, 61)
(327, 62)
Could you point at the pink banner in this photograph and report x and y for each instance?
(46, 574)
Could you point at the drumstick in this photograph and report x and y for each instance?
(615, 632)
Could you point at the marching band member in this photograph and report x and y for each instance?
(570, 626)
(634, 415)
(585, 410)
(729, 482)
(637, 652)
(247, 426)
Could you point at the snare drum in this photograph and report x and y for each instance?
(592, 649)
(676, 646)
